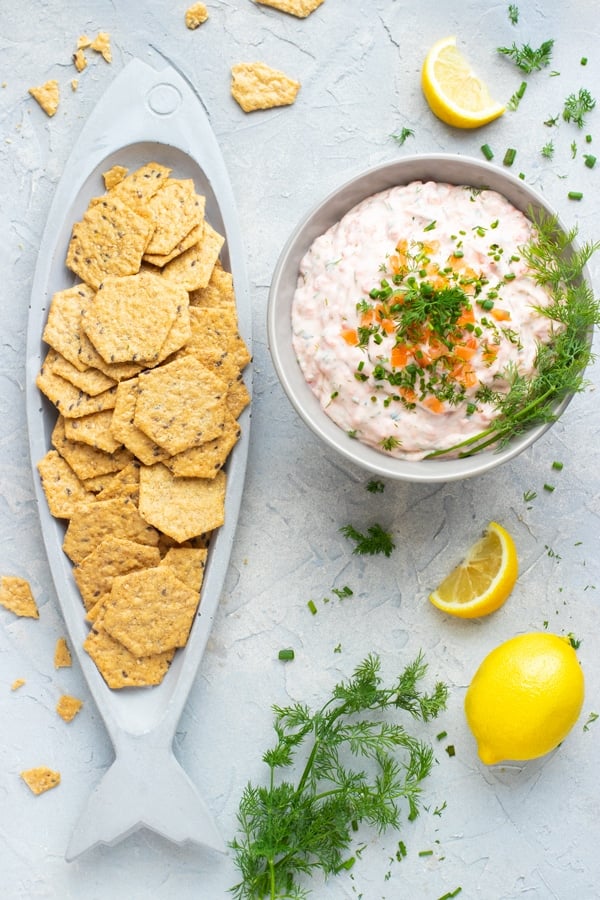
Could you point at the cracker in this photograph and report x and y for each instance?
(120, 668)
(205, 461)
(237, 399)
(299, 8)
(68, 399)
(68, 707)
(125, 483)
(181, 404)
(114, 176)
(188, 564)
(213, 333)
(62, 487)
(16, 595)
(92, 522)
(90, 381)
(150, 611)
(109, 240)
(63, 326)
(111, 557)
(93, 430)
(124, 429)
(181, 507)
(17, 683)
(47, 95)
(175, 210)
(83, 41)
(192, 237)
(138, 187)
(219, 290)
(130, 317)
(195, 15)
(101, 44)
(40, 779)
(87, 462)
(192, 268)
(258, 86)
(62, 654)
(79, 60)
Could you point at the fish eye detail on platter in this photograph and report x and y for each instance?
(145, 368)
(432, 317)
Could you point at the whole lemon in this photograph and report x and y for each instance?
(525, 697)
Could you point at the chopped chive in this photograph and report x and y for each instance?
(425, 852)
(588, 139)
(451, 894)
(286, 654)
(583, 61)
(549, 488)
(312, 607)
(590, 160)
(509, 156)
(442, 735)
(575, 195)
(522, 176)
(450, 750)
(487, 151)
(521, 90)
(557, 465)
(431, 226)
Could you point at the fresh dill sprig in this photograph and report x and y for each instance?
(577, 106)
(548, 150)
(513, 13)
(560, 364)
(290, 829)
(528, 59)
(375, 541)
(401, 136)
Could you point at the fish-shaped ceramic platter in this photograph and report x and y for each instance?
(146, 115)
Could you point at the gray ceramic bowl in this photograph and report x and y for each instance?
(436, 167)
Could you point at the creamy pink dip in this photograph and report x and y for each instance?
(398, 387)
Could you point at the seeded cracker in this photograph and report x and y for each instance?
(300, 8)
(218, 292)
(110, 240)
(125, 483)
(137, 188)
(114, 176)
(175, 210)
(92, 522)
(47, 95)
(161, 259)
(62, 487)
(79, 60)
(90, 381)
(16, 595)
(120, 668)
(40, 779)
(258, 86)
(93, 430)
(181, 507)
(126, 432)
(63, 327)
(68, 399)
(188, 564)
(150, 611)
(112, 557)
(62, 655)
(68, 707)
(180, 404)
(205, 461)
(87, 462)
(192, 268)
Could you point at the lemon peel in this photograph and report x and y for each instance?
(483, 581)
(525, 697)
(455, 94)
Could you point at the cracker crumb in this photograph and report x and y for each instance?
(83, 41)
(16, 595)
(299, 8)
(47, 95)
(40, 779)
(17, 683)
(101, 44)
(62, 654)
(74, 84)
(79, 60)
(195, 15)
(258, 86)
(68, 707)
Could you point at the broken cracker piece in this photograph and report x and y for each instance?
(40, 779)
(257, 86)
(16, 595)
(299, 8)
(195, 15)
(101, 44)
(68, 707)
(62, 654)
(47, 95)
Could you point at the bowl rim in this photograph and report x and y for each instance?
(326, 212)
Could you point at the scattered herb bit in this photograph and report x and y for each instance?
(440, 809)
(375, 486)
(593, 716)
(451, 894)
(552, 121)
(425, 852)
(337, 648)
(375, 541)
(509, 156)
(342, 592)
(400, 136)
(528, 59)
(286, 654)
(401, 851)
(529, 495)
(545, 623)
(588, 139)
(577, 106)
(590, 161)
(513, 13)
(573, 149)
(312, 607)
(441, 735)
(516, 98)
(548, 150)
(450, 750)
(574, 642)
(583, 61)
(557, 465)
(292, 828)
(551, 553)
(549, 488)
(522, 176)
(575, 195)
(487, 151)
(431, 226)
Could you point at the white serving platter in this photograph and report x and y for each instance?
(145, 115)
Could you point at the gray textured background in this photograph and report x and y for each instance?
(509, 832)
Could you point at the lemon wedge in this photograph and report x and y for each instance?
(525, 697)
(482, 582)
(454, 92)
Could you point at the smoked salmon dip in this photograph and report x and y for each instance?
(411, 313)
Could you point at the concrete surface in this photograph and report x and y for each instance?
(505, 833)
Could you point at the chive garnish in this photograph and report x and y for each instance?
(487, 151)
(509, 156)
(286, 654)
